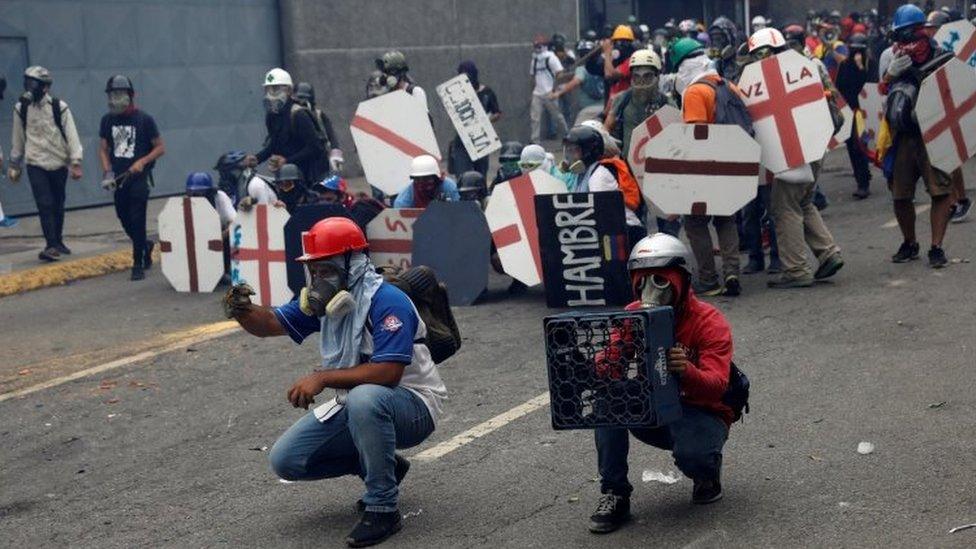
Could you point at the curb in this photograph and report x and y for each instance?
(64, 272)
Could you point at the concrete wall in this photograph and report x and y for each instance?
(334, 44)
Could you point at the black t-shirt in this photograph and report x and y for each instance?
(129, 137)
(292, 134)
(488, 100)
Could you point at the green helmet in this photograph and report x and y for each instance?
(683, 49)
(393, 62)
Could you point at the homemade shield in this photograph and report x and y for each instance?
(469, 117)
(701, 169)
(512, 221)
(785, 97)
(390, 236)
(453, 239)
(258, 253)
(646, 131)
(872, 104)
(946, 115)
(959, 37)
(302, 220)
(190, 245)
(389, 131)
(840, 138)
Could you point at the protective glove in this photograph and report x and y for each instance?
(245, 204)
(335, 160)
(898, 66)
(237, 300)
(14, 174)
(108, 181)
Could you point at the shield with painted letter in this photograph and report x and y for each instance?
(389, 131)
(258, 253)
(646, 131)
(453, 239)
(390, 236)
(946, 113)
(959, 37)
(785, 97)
(190, 244)
(701, 169)
(300, 221)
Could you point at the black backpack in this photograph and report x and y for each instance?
(729, 108)
(737, 394)
(56, 113)
(430, 298)
(316, 121)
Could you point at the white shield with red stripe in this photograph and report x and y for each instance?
(838, 139)
(959, 37)
(389, 131)
(646, 131)
(258, 253)
(512, 222)
(946, 115)
(190, 245)
(785, 96)
(871, 102)
(390, 236)
(701, 169)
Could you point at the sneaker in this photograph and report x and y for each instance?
(147, 258)
(732, 286)
(49, 254)
(137, 274)
(707, 290)
(8, 222)
(829, 267)
(775, 266)
(400, 469)
(783, 282)
(908, 251)
(62, 249)
(937, 258)
(374, 527)
(706, 491)
(961, 210)
(860, 194)
(612, 511)
(753, 267)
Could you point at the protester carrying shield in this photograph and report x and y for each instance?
(290, 190)
(459, 161)
(305, 97)
(427, 184)
(395, 75)
(201, 184)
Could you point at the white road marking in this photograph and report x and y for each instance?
(436, 452)
(918, 211)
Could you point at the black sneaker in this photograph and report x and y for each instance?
(399, 471)
(137, 274)
(829, 267)
(754, 267)
(706, 491)
(49, 254)
(732, 286)
(937, 258)
(62, 249)
(612, 511)
(775, 266)
(908, 251)
(147, 257)
(960, 210)
(707, 290)
(374, 527)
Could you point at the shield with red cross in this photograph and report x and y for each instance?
(946, 115)
(872, 102)
(959, 37)
(190, 245)
(701, 169)
(785, 97)
(390, 236)
(258, 253)
(838, 139)
(646, 131)
(512, 222)
(389, 131)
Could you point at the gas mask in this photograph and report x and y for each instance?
(573, 159)
(721, 49)
(275, 98)
(118, 101)
(35, 88)
(656, 291)
(644, 80)
(325, 291)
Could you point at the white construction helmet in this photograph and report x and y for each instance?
(423, 166)
(768, 37)
(532, 156)
(658, 251)
(645, 58)
(278, 77)
(759, 22)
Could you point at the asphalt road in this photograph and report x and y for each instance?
(168, 451)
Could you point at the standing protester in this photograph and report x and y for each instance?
(616, 60)
(723, 42)
(851, 77)
(458, 160)
(44, 138)
(544, 68)
(5, 221)
(128, 148)
(396, 74)
(567, 102)
(305, 97)
(590, 85)
(427, 185)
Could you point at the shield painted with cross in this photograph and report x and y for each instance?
(840, 138)
(959, 37)
(390, 236)
(190, 245)
(785, 96)
(258, 253)
(512, 221)
(389, 131)
(701, 169)
(646, 131)
(946, 115)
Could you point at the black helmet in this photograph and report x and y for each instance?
(558, 41)
(119, 82)
(305, 92)
(471, 184)
(590, 34)
(511, 151)
(857, 41)
(588, 140)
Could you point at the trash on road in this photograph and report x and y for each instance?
(24, 372)
(651, 475)
(259, 448)
(416, 513)
(963, 527)
(573, 499)
(938, 404)
(283, 481)
(865, 448)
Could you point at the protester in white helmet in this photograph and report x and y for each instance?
(427, 184)
(759, 22)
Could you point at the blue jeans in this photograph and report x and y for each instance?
(695, 441)
(752, 219)
(358, 440)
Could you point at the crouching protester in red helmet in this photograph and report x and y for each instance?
(388, 392)
(701, 358)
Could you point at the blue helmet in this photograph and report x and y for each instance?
(906, 16)
(333, 183)
(199, 181)
(230, 160)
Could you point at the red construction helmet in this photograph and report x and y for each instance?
(331, 236)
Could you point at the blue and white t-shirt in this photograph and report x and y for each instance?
(395, 337)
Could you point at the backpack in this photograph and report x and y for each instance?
(625, 180)
(729, 108)
(316, 122)
(56, 112)
(737, 394)
(430, 298)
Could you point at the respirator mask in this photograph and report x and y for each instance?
(275, 98)
(326, 291)
(118, 101)
(573, 159)
(35, 88)
(656, 291)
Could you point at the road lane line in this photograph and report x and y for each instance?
(440, 450)
(918, 211)
(180, 340)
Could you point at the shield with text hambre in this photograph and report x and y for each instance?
(946, 115)
(468, 116)
(258, 253)
(190, 244)
(785, 96)
(390, 236)
(644, 132)
(511, 219)
(701, 169)
(389, 131)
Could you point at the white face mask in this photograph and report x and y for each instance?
(690, 70)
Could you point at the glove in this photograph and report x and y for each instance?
(898, 66)
(245, 204)
(335, 160)
(108, 181)
(14, 174)
(237, 300)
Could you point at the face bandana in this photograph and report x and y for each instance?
(690, 71)
(919, 50)
(35, 88)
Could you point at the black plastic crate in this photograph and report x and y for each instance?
(609, 369)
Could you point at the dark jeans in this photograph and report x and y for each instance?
(459, 161)
(130, 207)
(695, 441)
(48, 189)
(752, 220)
(859, 162)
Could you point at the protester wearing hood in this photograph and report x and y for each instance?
(616, 60)
(722, 46)
(458, 159)
(589, 81)
(388, 392)
(543, 70)
(128, 148)
(534, 157)
(305, 97)
(660, 271)
(427, 185)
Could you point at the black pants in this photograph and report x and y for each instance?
(130, 207)
(48, 189)
(859, 162)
